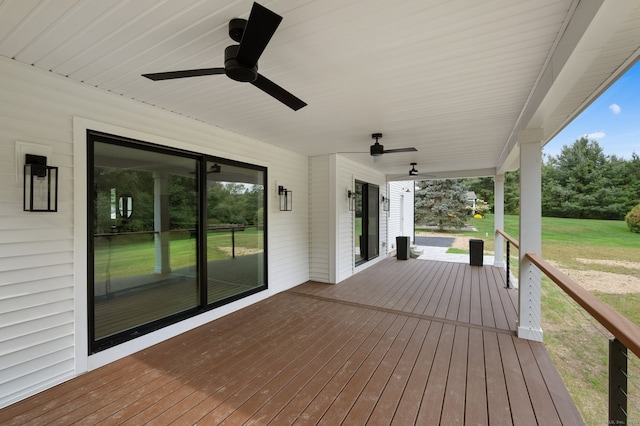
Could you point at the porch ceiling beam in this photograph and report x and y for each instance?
(453, 174)
(588, 29)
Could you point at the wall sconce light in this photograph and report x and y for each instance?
(286, 199)
(125, 206)
(40, 185)
(351, 195)
(385, 203)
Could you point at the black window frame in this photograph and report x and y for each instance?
(95, 346)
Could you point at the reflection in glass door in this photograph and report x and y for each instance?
(234, 230)
(144, 259)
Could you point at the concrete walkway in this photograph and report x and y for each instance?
(440, 254)
(437, 250)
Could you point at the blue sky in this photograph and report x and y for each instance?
(613, 120)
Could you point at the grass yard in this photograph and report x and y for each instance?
(566, 240)
(129, 256)
(577, 344)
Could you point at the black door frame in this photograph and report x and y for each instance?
(370, 212)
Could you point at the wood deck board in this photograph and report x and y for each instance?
(498, 408)
(416, 292)
(488, 315)
(407, 411)
(519, 399)
(232, 375)
(283, 396)
(301, 399)
(454, 306)
(476, 392)
(364, 388)
(292, 365)
(165, 396)
(565, 407)
(475, 310)
(455, 396)
(499, 315)
(447, 292)
(431, 407)
(403, 342)
(387, 404)
(536, 388)
(359, 368)
(408, 289)
(464, 311)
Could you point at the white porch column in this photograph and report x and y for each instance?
(498, 220)
(162, 235)
(529, 324)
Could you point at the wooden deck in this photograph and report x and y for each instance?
(404, 342)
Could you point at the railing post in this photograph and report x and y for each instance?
(507, 265)
(617, 383)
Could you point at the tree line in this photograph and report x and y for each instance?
(227, 202)
(580, 182)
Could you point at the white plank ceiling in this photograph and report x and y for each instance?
(457, 79)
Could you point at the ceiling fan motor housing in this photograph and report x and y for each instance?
(377, 149)
(234, 69)
(236, 29)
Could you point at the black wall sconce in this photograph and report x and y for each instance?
(40, 185)
(125, 206)
(286, 199)
(385, 203)
(351, 195)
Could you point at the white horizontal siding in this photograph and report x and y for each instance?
(401, 211)
(42, 313)
(319, 220)
(36, 249)
(347, 172)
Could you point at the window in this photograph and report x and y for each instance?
(171, 235)
(366, 222)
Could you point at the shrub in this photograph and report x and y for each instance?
(633, 219)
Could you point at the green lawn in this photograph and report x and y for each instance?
(131, 256)
(565, 240)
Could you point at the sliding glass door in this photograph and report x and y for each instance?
(171, 234)
(366, 222)
(235, 230)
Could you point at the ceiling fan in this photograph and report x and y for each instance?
(414, 174)
(376, 150)
(241, 60)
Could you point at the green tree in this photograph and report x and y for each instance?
(633, 219)
(183, 202)
(582, 182)
(443, 202)
(484, 189)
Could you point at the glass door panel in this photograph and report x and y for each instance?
(144, 238)
(373, 223)
(359, 234)
(366, 222)
(235, 230)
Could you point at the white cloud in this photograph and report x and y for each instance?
(615, 108)
(595, 135)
